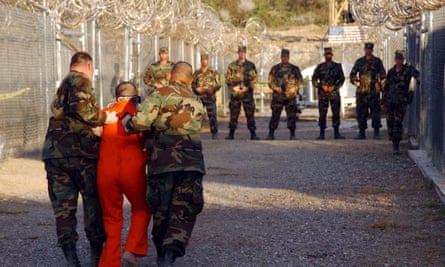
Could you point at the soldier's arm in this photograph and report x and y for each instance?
(253, 77)
(272, 83)
(341, 77)
(217, 82)
(382, 71)
(315, 77)
(147, 77)
(146, 115)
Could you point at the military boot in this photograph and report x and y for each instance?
(376, 133)
(321, 136)
(231, 135)
(169, 258)
(253, 135)
(70, 252)
(214, 136)
(361, 135)
(292, 135)
(271, 135)
(95, 252)
(337, 134)
(395, 147)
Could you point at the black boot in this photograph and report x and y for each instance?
(231, 135)
(70, 252)
(337, 134)
(271, 135)
(253, 135)
(95, 252)
(376, 133)
(214, 136)
(361, 135)
(321, 137)
(169, 258)
(292, 135)
(395, 147)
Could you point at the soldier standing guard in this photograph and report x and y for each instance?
(371, 77)
(206, 84)
(241, 78)
(328, 78)
(284, 80)
(156, 75)
(396, 97)
(176, 163)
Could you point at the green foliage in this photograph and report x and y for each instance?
(275, 14)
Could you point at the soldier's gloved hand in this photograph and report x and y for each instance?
(111, 117)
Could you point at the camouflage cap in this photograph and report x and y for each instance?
(400, 54)
(285, 52)
(163, 50)
(369, 45)
(327, 50)
(242, 48)
(204, 56)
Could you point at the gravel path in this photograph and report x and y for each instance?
(268, 203)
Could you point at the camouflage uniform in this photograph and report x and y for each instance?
(176, 163)
(157, 73)
(371, 74)
(396, 97)
(70, 153)
(208, 80)
(242, 75)
(330, 75)
(285, 77)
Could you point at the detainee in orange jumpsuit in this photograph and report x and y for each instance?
(121, 171)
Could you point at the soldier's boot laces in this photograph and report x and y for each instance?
(70, 252)
(321, 136)
(271, 135)
(292, 135)
(395, 147)
(231, 135)
(95, 252)
(361, 135)
(253, 135)
(337, 134)
(376, 133)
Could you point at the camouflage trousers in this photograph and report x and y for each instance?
(67, 177)
(210, 104)
(176, 198)
(249, 109)
(368, 104)
(277, 104)
(324, 99)
(394, 119)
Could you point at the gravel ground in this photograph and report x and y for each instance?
(268, 203)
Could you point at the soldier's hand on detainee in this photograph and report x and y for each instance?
(111, 117)
(97, 131)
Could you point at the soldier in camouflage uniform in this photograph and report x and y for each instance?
(176, 163)
(396, 97)
(156, 75)
(328, 78)
(70, 153)
(284, 79)
(206, 84)
(241, 78)
(371, 77)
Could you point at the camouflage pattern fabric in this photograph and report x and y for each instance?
(244, 75)
(371, 74)
(330, 75)
(179, 193)
(66, 179)
(176, 113)
(74, 112)
(209, 82)
(157, 73)
(285, 77)
(396, 98)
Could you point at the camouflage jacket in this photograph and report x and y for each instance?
(244, 75)
(157, 73)
(397, 84)
(285, 77)
(370, 73)
(74, 113)
(328, 74)
(206, 80)
(174, 114)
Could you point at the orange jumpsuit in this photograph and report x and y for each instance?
(121, 171)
